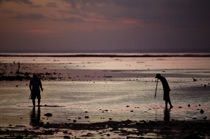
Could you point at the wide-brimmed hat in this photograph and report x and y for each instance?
(158, 75)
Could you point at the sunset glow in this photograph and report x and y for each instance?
(104, 26)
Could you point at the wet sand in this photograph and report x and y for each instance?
(112, 129)
(104, 100)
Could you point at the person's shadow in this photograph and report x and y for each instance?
(35, 117)
(167, 115)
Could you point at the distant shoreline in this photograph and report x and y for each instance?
(105, 55)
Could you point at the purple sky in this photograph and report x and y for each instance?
(105, 25)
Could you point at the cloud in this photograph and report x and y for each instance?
(30, 16)
(72, 19)
(87, 3)
(39, 31)
(18, 1)
(51, 5)
(157, 12)
(7, 11)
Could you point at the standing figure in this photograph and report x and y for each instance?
(166, 90)
(35, 85)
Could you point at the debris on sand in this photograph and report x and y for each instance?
(201, 111)
(48, 114)
(120, 129)
(86, 117)
(194, 79)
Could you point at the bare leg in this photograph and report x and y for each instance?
(170, 104)
(39, 102)
(33, 101)
(166, 104)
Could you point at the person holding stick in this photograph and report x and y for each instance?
(35, 85)
(166, 90)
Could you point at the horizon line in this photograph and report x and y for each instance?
(122, 54)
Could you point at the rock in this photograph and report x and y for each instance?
(66, 137)
(204, 118)
(48, 114)
(194, 79)
(201, 111)
(86, 117)
(180, 107)
(188, 105)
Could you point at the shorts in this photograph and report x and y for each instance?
(35, 95)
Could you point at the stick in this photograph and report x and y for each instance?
(156, 88)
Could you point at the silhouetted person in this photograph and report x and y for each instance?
(166, 90)
(35, 86)
(35, 118)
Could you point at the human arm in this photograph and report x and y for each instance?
(30, 85)
(41, 85)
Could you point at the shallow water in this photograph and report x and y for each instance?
(107, 89)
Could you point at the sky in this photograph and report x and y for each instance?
(104, 26)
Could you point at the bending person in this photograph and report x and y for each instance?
(166, 90)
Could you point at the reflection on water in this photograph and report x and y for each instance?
(167, 115)
(35, 117)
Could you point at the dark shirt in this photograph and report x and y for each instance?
(35, 84)
(166, 87)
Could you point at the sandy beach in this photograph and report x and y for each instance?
(105, 97)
